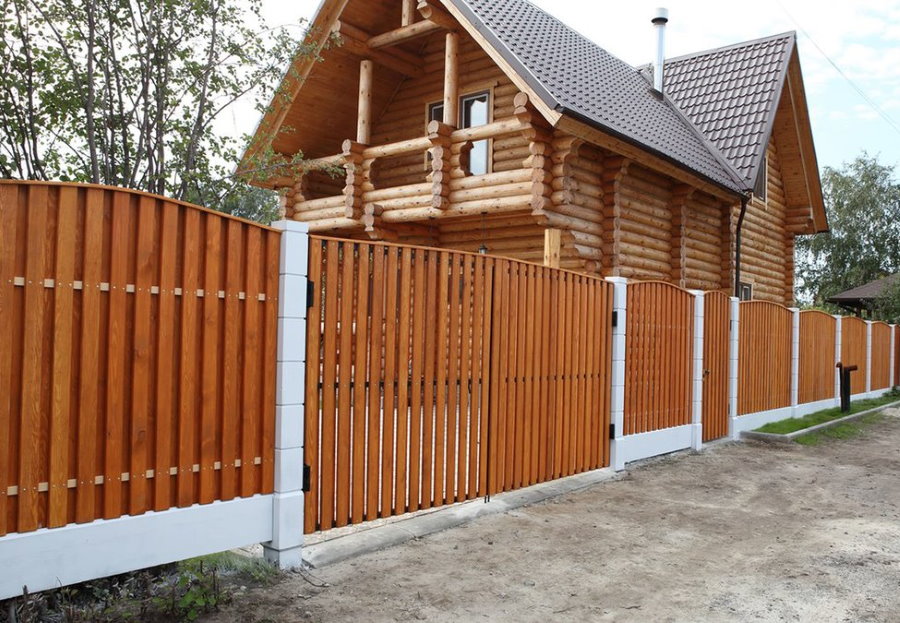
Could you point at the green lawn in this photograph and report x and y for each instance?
(847, 430)
(783, 427)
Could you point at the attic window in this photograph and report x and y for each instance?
(474, 110)
(762, 181)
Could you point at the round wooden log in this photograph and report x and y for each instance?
(397, 192)
(490, 192)
(320, 204)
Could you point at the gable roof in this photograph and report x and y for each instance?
(575, 76)
(731, 94)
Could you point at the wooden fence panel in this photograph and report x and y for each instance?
(113, 316)
(817, 356)
(716, 334)
(896, 357)
(435, 377)
(659, 341)
(853, 351)
(881, 356)
(764, 367)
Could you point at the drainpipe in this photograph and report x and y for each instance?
(737, 250)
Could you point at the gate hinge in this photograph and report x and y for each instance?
(612, 431)
(306, 478)
(310, 292)
(615, 319)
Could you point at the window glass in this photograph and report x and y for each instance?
(746, 290)
(436, 112)
(474, 109)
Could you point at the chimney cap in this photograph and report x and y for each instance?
(661, 16)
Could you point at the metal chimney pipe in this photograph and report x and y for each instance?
(660, 19)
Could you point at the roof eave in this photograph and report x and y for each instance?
(587, 120)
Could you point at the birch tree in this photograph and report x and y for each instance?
(132, 93)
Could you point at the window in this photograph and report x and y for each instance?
(746, 291)
(474, 110)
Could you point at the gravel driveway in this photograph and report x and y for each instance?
(741, 532)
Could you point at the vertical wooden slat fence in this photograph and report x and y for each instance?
(853, 351)
(817, 356)
(716, 320)
(138, 350)
(896, 356)
(764, 358)
(658, 366)
(881, 356)
(435, 377)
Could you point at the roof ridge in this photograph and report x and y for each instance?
(789, 34)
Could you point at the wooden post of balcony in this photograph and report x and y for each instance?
(356, 177)
(552, 244)
(439, 134)
(451, 80)
(409, 12)
(364, 123)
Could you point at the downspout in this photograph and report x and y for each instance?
(737, 245)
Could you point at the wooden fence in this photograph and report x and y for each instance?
(817, 356)
(764, 373)
(896, 357)
(716, 314)
(137, 367)
(881, 356)
(659, 341)
(436, 376)
(853, 351)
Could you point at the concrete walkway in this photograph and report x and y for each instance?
(741, 532)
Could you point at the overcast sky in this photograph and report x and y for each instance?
(862, 37)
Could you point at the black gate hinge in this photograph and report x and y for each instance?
(615, 319)
(307, 478)
(310, 292)
(612, 431)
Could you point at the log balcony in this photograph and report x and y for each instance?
(448, 190)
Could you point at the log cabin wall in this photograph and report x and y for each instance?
(767, 249)
(645, 226)
(704, 243)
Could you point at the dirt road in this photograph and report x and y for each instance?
(741, 532)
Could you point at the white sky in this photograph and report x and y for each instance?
(861, 36)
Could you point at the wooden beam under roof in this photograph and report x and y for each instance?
(354, 40)
(404, 34)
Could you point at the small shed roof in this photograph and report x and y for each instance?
(865, 294)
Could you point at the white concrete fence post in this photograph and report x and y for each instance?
(284, 550)
(617, 395)
(795, 357)
(893, 353)
(868, 356)
(734, 336)
(697, 413)
(838, 344)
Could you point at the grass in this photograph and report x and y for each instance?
(790, 425)
(179, 592)
(847, 430)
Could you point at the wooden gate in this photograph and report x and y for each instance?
(715, 364)
(435, 377)
(659, 338)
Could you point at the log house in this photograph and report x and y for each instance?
(488, 125)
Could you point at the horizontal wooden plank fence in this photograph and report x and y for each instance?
(853, 351)
(659, 345)
(881, 356)
(817, 356)
(137, 368)
(764, 373)
(435, 377)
